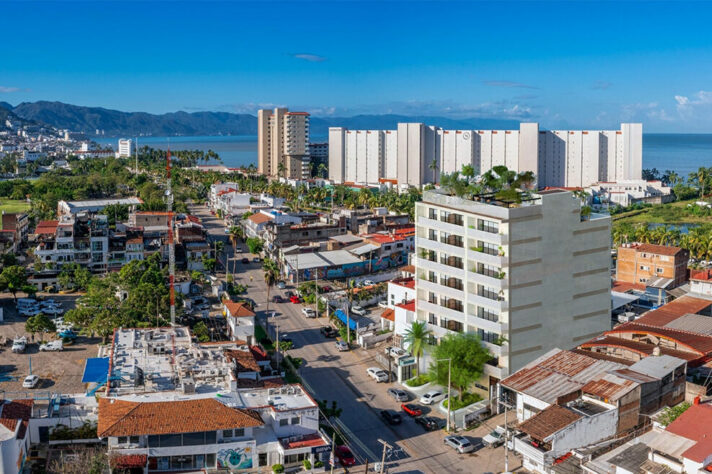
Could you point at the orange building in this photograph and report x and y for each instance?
(645, 263)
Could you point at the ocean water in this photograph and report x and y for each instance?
(682, 153)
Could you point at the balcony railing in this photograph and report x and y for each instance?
(498, 274)
(491, 295)
(454, 219)
(454, 283)
(453, 304)
(454, 240)
(455, 262)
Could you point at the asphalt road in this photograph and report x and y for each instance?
(341, 376)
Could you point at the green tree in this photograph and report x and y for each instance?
(271, 275)
(12, 279)
(29, 290)
(416, 337)
(200, 331)
(39, 323)
(468, 357)
(329, 411)
(209, 263)
(255, 245)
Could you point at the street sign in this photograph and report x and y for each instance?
(406, 361)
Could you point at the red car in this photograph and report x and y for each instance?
(294, 299)
(412, 410)
(345, 456)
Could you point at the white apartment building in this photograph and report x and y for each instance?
(283, 139)
(125, 148)
(416, 154)
(631, 191)
(526, 277)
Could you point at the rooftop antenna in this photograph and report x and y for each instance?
(171, 243)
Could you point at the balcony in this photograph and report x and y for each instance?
(437, 246)
(455, 219)
(488, 300)
(436, 224)
(496, 238)
(435, 287)
(440, 310)
(453, 240)
(487, 279)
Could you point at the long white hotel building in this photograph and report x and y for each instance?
(557, 157)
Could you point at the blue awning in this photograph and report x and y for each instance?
(96, 370)
(342, 317)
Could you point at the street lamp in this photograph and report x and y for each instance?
(449, 402)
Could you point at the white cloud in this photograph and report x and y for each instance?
(691, 108)
(312, 58)
(8, 90)
(508, 84)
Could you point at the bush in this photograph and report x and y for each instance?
(278, 468)
(306, 464)
(418, 380)
(671, 413)
(467, 399)
(318, 464)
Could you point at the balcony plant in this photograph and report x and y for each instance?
(479, 248)
(501, 275)
(500, 251)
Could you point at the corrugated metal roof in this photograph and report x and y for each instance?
(671, 443)
(547, 422)
(657, 366)
(637, 347)
(695, 342)
(609, 387)
(696, 323)
(673, 310)
(333, 258)
(557, 373)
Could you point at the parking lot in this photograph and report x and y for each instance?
(58, 371)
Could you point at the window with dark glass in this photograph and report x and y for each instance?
(211, 437)
(170, 440)
(193, 439)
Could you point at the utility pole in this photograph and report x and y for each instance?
(383, 456)
(332, 461)
(506, 433)
(316, 291)
(171, 243)
(449, 402)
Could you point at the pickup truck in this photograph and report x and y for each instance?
(19, 344)
(494, 438)
(52, 346)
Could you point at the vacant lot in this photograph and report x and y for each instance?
(9, 205)
(58, 371)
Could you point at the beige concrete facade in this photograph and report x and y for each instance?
(283, 143)
(526, 279)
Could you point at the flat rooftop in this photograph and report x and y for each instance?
(166, 360)
(332, 258)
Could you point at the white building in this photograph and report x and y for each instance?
(283, 143)
(630, 191)
(125, 148)
(525, 277)
(416, 154)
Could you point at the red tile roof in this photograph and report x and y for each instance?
(407, 282)
(305, 441)
(408, 306)
(14, 412)
(387, 238)
(673, 310)
(153, 213)
(244, 361)
(259, 218)
(701, 275)
(694, 424)
(126, 418)
(259, 353)
(657, 249)
(46, 227)
(547, 422)
(624, 286)
(128, 461)
(389, 314)
(238, 310)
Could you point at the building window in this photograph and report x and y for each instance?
(658, 270)
(488, 226)
(295, 420)
(432, 213)
(284, 422)
(487, 336)
(239, 432)
(487, 314)
(133, 439)
(227, 433)
(432, 319)
(123, 439)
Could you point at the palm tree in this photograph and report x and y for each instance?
(416, 337)
(280, 170)
(434, 168)
(271, 276)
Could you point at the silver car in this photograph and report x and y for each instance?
(342, 346)
(398, 394)
(461, 444)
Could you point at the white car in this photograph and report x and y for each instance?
(461, 444)
(52, 346)
(431, 397)
(52, 310)
(342, 346)
(358, 310)
(383, 304)
(494, 438)
(19, 344)
(28, 312)
(379, 375)
(395, 351)
(30, 381)
(368, 282)
(308, 312)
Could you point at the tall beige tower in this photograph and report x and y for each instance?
(283, 143)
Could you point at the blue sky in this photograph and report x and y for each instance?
(577, 64)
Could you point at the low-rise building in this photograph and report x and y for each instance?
(645, 263)
(95, 206)
(627, 192)
(18, 222)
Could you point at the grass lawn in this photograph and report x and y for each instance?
(9, 205)
(672, 213)
(467, 399)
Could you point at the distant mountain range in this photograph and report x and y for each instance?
(116, 123)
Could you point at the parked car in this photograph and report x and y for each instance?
(328, 331)
(383, 304)
(345, 456)
(356, 309)
(68, 334)
(461, 444)
(309, 312)
(379, 375)
(398, 395)
(412, 410)
(295, 299)
(395, 351)
(342, 346)
(428, 423)
(52, 346)
(29, 312)
(431, 397)
(281, 285)
(19, 344)
(257, 260)
(326, 289)
(245, 260)
(368, 282)
(494, 438)
(391, 417)
(277, 299)
(289, 293)
(30, 381)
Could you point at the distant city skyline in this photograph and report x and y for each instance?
(572, 65)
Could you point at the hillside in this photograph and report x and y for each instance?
(116, 123)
